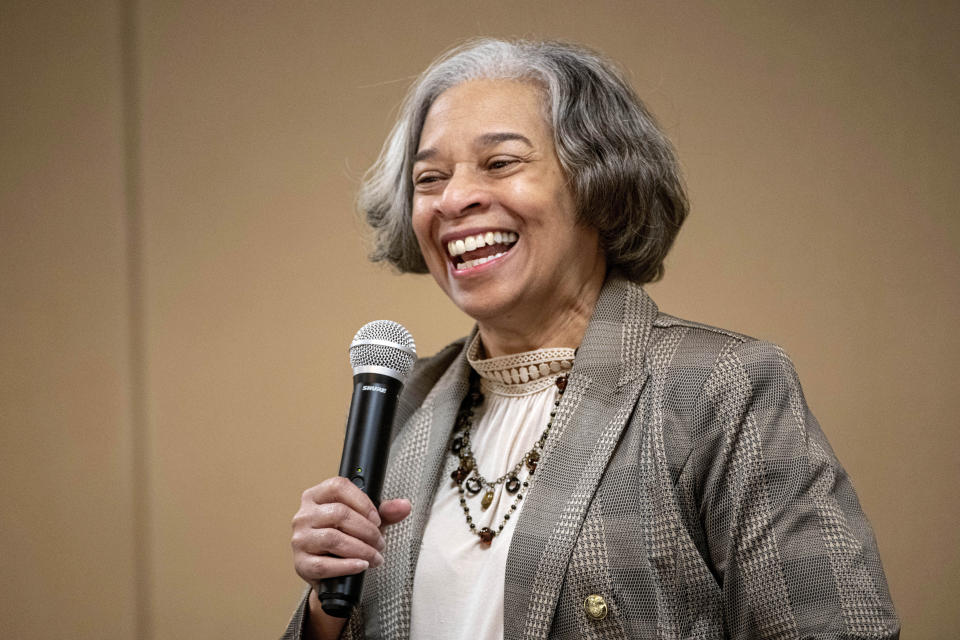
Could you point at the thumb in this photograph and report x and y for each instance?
(393, 511)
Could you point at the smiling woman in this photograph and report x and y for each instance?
(487, 164)
(582, 465)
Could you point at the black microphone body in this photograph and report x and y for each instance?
(366, 443)
(367, 439)
(364, 462)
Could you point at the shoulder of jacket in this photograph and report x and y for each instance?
(709, 346)
(667, 321)
(425, 374)
(430, 368)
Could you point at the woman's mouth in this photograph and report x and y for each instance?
(474, 250)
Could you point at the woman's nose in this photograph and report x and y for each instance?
(464, 193)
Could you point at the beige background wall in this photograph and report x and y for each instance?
(182, 271)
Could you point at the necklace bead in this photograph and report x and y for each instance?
(473, 486)
(487, 499)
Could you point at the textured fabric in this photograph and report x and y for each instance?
(685, 481)
(459, 572)
(520, 372)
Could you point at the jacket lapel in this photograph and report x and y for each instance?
(414, 470)
(603, 389)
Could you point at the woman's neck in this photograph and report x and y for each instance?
(538, 328)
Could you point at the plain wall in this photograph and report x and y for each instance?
(182, 270)
(68, 549)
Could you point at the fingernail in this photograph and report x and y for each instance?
(381, 544)
(362, 565)
(374, 517)
(377, 560)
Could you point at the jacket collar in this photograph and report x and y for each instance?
(615, 344)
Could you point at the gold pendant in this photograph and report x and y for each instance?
(487, 500)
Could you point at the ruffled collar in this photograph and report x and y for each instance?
(520, 374)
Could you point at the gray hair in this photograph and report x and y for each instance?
(623, 173)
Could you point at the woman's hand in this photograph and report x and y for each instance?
(337, 532)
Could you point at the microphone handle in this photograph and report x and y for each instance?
(364, 461)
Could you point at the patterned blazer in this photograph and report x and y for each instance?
(685, 482)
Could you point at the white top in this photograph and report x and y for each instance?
(459, 582)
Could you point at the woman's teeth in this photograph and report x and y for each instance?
(472, 243)
(472, 263)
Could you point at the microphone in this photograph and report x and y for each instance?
(381, 354)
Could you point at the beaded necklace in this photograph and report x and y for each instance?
(467, 477)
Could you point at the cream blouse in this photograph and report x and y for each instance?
(459, 581)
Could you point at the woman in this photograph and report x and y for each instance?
(582, 465)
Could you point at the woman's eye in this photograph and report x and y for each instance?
(427, 178)
(501, 163)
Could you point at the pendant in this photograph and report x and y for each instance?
(473, 486)
(512, 485)
(532, 458)
(486, 500)
(486, 535)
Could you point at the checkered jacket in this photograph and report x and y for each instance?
(685, 481)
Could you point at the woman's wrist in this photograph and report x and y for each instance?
(321, 626)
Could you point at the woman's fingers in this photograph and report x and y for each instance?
(315, 568)
(338, 504)
(393, 511)
(335, 542)
(338, 516)
(341, 490)
(336, 532)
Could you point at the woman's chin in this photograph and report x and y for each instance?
(486, 301)
(483, 307)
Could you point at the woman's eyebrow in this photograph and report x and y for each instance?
(490, 139)
(424, 154)
(485, 140)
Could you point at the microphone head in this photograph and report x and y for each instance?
(383, 346)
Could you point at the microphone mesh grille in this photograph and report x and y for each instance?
(399, 355)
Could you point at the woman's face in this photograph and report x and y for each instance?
(492, 211)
